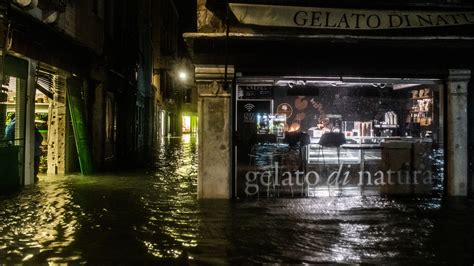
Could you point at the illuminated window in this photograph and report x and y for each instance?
(186, 124)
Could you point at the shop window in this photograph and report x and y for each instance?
(186, 124)
(110, 126)
(12, 132)
(303, 138)
(110, 119)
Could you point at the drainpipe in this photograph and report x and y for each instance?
(226, 46)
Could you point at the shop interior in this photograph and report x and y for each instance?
(52, 121)
(310, 125)
(41, 124)
(12, 131)
(54, 141)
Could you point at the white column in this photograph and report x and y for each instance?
(457, 155)
(30, 124)
(214, 108)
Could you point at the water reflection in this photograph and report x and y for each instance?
(153, 217)
(172, 203)
(40, 222)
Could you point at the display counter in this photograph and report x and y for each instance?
(361, 149)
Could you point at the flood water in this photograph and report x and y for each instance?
(153, 216)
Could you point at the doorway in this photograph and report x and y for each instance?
(51, 121)
(12, 132)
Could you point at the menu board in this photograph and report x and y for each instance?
(421, 107)
(256, 92)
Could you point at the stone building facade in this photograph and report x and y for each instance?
(95, 49)
(47, 46)
(175, 96)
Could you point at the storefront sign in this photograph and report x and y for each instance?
(348, 19)
(421, 94)
(247, 110)
(263, 181)
(257, 92)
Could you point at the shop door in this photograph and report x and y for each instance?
(251, 128)
(13, 123)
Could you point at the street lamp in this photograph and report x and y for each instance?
(183, 76)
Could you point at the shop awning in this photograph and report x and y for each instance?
(351, 54)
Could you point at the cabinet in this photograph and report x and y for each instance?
(421, 107)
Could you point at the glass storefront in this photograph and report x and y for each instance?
(306, 137)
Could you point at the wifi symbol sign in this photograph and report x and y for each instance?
(249, 107)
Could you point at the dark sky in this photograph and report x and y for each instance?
(187, 14)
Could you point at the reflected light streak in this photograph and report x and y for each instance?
(42, 221)
(186, 138)
(175, 216)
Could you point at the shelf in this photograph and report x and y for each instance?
(386, 126)
(326, 156)
(424, 98)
